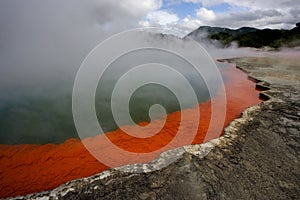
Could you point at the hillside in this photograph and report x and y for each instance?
(248, 37)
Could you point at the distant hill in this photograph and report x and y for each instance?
(248, 37)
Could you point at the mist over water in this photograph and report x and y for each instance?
(146, 96)
(43, 114)
(42, 45)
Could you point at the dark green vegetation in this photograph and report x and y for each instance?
(249, 37)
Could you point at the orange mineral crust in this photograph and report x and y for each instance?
(26, 168)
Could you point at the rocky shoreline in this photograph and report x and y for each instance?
(258, 157)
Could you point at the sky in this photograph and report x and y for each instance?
(187, 15)
(42, 41)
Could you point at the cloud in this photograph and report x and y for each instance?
(279, 14)
(161, 18)
(144, 23)
(265, 4)
(123, 13)
(170, 22)
(256, 18)
(205, 3)
(205, 14)
(190, 23)
(44, 42)
(139, 8)
(254, 4)
(260, 14)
